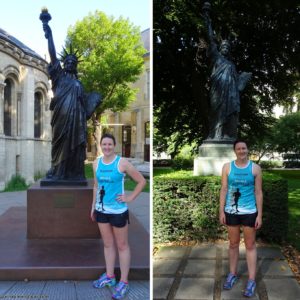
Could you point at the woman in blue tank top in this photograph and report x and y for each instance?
(241, 202)
(110, 210)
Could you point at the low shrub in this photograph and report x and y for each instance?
(16, 183)
(275, 208)
(178, 163)
(187, 208)
(270, 164)
(182, 163)
(38, 175)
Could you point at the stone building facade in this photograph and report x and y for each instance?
(25, 132)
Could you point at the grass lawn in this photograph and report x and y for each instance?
(129, 184)
(293, 178)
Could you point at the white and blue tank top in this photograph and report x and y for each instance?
(240, 197)
(110, 183)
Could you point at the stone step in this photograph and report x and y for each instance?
(62, 259)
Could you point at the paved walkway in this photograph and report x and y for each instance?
(70, 290)
(198, 272)
(66, 290)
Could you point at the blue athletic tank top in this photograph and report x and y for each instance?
(110, 184)
(240, 198)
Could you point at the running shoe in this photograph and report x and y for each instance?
(250, 288)
(230, 281)
(103, 281)
(120, 290)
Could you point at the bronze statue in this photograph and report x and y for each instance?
(71, 108)
(226, 85)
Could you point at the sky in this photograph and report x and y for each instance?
(20, 18)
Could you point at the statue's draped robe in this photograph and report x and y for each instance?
(68, 125)
(224, 97)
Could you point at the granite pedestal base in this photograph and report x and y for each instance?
(60, 212)
(62, 259)
(212, 157)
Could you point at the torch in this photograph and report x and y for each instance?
(45, 17)
(206, 8)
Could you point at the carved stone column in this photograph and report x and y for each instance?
(2, 85)
(2, 139)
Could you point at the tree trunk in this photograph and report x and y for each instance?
(97, 133)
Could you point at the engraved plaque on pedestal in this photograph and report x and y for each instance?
(60, 212)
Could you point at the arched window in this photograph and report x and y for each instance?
(7, 107)
(37, 115)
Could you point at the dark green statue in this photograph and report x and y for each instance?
(226, 85)
(71, 108)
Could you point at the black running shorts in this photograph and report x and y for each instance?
(116, 220)
(245, 220)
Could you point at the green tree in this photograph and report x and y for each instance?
(286, 133)
(265, 41)
(262, 147)
(112, 59)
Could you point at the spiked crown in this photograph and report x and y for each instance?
(72, 55)
(225, 43)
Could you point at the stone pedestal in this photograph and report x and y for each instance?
(212, 156)
(60, 212)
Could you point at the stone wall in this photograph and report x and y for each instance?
(20, 152)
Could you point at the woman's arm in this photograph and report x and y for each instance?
(223, 192)
(258, 195)
(128, 168)
(95, 189)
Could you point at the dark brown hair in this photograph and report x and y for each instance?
(108, 135)
(239, 141)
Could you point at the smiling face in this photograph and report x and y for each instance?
(107, 146)
(241, 150)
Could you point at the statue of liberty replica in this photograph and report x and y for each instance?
(71, 108)
(226, 84)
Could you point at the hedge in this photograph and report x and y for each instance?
(178, 163)
(187, 208)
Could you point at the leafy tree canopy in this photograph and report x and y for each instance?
(112, 57)
(286, 133)
(265, 41)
